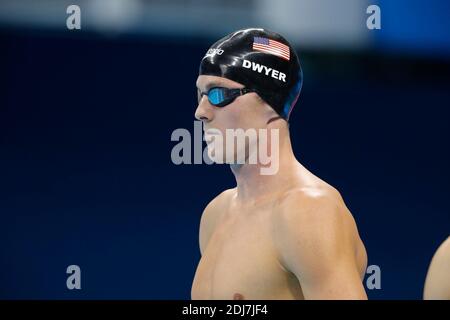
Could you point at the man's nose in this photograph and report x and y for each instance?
(204, 111)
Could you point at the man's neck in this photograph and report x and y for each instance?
(253, 186)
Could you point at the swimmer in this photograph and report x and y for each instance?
(287, 235)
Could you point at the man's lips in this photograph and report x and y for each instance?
(212, 132)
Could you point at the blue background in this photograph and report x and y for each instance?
(86, 176)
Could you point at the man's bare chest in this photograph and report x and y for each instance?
(240, 262)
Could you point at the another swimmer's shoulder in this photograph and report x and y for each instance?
(445, 246)
(442, 254)
(437, 286)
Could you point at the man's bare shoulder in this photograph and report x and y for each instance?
(316, 238)
(314, 214)
(212, 214)
(312, 203)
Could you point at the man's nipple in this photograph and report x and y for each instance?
(238, 296)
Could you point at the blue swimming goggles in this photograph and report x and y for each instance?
(220, 97)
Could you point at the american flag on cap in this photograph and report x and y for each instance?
(272, 47)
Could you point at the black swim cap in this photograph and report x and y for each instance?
(260, 60)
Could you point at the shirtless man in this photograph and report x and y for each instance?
(287, 235)
(437, 283)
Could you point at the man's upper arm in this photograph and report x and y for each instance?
(316, 242)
